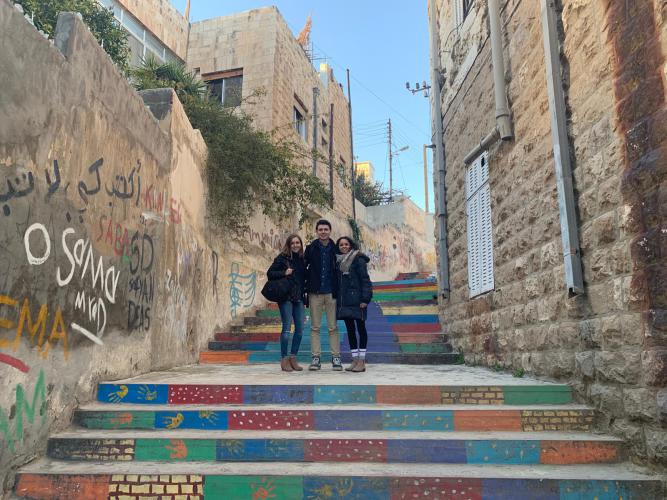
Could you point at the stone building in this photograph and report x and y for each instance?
(256, 50)
(154, 27)
(513, 297)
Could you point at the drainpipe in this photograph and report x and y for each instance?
(439, 153)
(566, 205)
(503, 128)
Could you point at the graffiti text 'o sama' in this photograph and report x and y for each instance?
(32, 260)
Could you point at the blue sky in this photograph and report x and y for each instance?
(384, 43)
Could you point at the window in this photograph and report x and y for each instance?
(467, 7)
(463, 8)
(226, 86)
(300, 124)
(480, 232)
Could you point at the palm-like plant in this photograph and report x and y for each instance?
(154, 74)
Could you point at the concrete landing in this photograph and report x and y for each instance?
(270, 374)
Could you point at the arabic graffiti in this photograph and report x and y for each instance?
(12, 191)
(242, 288)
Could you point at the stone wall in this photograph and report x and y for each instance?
(108, 266)
(609, 342)
(162, 19)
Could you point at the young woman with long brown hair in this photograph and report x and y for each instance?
(289, 263)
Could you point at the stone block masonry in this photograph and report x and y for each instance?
(609, 343)
(167, 487)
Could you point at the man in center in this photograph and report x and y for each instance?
(322, 289)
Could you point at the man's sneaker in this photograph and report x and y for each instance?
(337, 365)
(315, 364)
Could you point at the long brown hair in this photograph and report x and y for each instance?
(287, 250)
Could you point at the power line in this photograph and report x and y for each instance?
(362, 85)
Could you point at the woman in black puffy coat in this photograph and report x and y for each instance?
(289, 263)
(355, 292)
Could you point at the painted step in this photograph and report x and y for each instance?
(446, 418)
(500, 448)
(305, 347)
(402, 303)
(370, 326)
(50, 479)
(427, 309)
(259, 320)
(404, 286)
(403, 296)
(260, 357)
(415, 338)
(381, 384)
(407, 281)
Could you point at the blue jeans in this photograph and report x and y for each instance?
(291, 311)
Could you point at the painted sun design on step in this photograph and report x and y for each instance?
(338, 488)
(210, 416)
(232, 447)
(147, 393)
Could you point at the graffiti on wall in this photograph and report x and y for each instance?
(12, 425)
(95, 285)
(141, 286)
(242, 289)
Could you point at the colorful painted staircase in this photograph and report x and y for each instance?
(403, 327)
(396, 431)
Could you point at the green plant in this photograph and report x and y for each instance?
(497, 367)
(101, 22)
(370, 193)
(246, 169)
(356, 230)
(518, 372)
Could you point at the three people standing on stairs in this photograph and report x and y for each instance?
(290, 264)
(329, 278)
(355, 292)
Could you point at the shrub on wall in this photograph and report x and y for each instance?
(246, 169)
(100, 21)
(370, 193)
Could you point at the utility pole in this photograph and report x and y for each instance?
(349, 109)
(316, 92)
(331, 153)
(425, 180)
(391, 157)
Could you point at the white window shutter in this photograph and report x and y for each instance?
(480, 231)
(486, 239)
(473, 246)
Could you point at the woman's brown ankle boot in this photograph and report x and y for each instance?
(285, 365)
(294, 363)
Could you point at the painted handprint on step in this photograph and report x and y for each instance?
(178, 449)
(173, 422)
(119, 395)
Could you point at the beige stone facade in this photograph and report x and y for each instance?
(163, 20)
(260, 43)
(610, 341)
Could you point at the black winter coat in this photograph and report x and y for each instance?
(298, 277)
(313, 257)
(355, 288)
